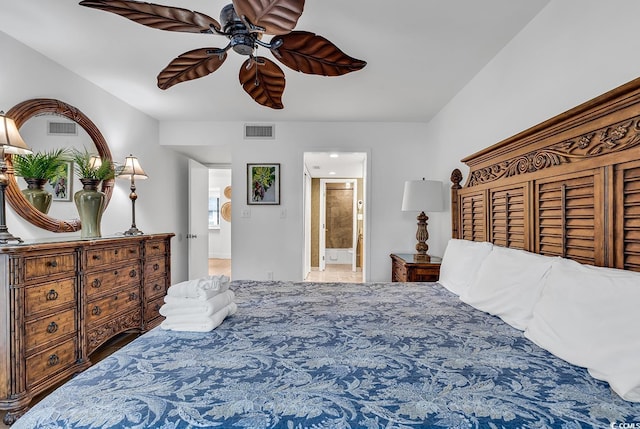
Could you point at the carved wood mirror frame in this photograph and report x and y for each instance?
(22, 112)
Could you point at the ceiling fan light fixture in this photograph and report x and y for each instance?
(243, 22)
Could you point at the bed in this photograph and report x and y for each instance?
(305, 355)
(561, 199)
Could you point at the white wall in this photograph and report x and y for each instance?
(571, 52)
(26, 74)
(265, 241)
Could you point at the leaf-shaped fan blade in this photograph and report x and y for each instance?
(191, 65)
(264, 82)
(275, 16)
(157, 16)
(312, 54)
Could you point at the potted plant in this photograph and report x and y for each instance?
(89, 201)
(37, 169)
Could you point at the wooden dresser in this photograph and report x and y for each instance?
(405, 267)
(62, 299)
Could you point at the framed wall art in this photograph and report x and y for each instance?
(263, 184)
(62, 185)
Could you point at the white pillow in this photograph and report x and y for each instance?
(589, 316)
(460, 263)
(508, 284)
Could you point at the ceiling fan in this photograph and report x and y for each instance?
(244, 22)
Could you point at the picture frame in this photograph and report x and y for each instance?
(61, 188)
(263, 184)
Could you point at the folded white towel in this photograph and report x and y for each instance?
(202, 288)
(199, 323)
(194, 307)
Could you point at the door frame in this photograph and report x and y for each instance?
(323, 218)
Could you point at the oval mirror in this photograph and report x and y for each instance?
(29, 109)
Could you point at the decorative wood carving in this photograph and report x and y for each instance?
(619, 137)
(97, 336)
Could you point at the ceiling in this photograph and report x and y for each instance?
(420, 53)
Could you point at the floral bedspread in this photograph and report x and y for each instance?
(333, 355)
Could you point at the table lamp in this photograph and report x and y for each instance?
(132, 170)
(420, 196)
(10, 142)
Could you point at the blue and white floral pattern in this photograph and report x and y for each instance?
(335, 356)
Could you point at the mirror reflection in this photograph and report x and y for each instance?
(48, 132)
(47, 124)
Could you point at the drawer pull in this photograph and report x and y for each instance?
(96, 257)
(156, 247)
(133, 251)
(115, 252)
(52, 264)
(132, 273)
(53, 327)
(96, 283)
(157, 286)
(52, 295)
(133, 296)
(115, 273)
(96, 310)
(156, 307)
(53, 360)
(156, 267)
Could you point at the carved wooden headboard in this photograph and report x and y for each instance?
(568, 187)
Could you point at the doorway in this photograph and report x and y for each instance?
(219, 220)
(334, 220)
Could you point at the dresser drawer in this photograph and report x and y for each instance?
(49, 296)
(37, 267)
(105, 308)
(152, 308)
(106, 281)
(155, 287)
(50, 361)
(155, 248)
(154, 267)
(45, 330)
(103, 256)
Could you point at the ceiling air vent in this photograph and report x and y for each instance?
(62, 128)
(260, 131)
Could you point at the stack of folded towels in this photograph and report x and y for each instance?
(198, 305)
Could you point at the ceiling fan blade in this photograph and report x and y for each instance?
(157, 16)
(191, 65)
(263, 81)
(312, 54)
(275, 16)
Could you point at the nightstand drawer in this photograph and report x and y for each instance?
(414, 268)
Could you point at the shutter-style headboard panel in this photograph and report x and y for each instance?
(568, 187)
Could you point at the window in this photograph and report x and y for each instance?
(214, 212)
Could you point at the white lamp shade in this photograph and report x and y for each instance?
(422, 196)
(10, 139)
(132, 169)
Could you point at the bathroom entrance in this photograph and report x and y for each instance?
(338, 223)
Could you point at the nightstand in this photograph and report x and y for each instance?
(408, 267)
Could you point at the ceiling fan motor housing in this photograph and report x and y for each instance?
(242, 41)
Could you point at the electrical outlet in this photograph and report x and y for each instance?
(245, 213)
(269, 275)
